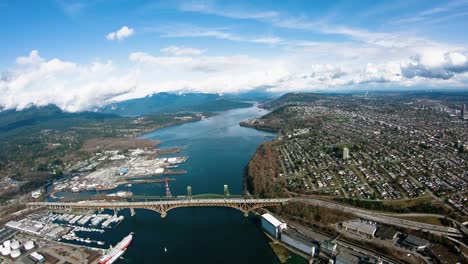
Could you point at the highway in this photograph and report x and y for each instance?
(385, 218)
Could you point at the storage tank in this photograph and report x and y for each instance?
(29, 245)
(6, 251)
(7, 243)
(15, 244)
(15, 253)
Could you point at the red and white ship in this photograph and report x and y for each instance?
(115, 252)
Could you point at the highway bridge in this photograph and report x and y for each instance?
(243, 204)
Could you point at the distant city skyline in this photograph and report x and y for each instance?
(84, 54)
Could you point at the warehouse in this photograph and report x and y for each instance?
(415, 243)
(272, 226)
(299, 242)
(343, 257)
(360, 228)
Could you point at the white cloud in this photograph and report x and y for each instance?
(214, 74)
(267, 40)
(322, 26)
(32, 59)
(436, 64)
(194, 64)
(178, 31)
(181, 51)
(207, 8)
(71, 86)
(71, 7)
(120, 34)
(76, 87)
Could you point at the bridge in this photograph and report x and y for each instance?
(245, 205)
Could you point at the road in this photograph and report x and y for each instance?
(386, 218)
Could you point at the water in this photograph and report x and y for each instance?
(218, 150)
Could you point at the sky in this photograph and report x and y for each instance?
(81, 55)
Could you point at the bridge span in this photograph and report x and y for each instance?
(245, 205)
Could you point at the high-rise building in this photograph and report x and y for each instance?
(463, 111)
(345, 153)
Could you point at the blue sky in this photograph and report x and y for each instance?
(84, 54)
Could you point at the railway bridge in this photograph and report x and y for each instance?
(245, 205)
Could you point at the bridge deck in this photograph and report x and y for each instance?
(164, 202)
(244, 205)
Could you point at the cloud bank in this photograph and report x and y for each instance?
(35, 80)
(71, 86)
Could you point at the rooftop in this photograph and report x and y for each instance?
(361, 226)
(272, 220)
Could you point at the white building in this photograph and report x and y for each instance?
(360, 228)
(272, 226)
(345, 153)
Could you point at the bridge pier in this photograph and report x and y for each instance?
(163, 214)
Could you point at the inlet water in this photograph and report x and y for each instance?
(218, 150)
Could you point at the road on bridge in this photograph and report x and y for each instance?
(245, 205)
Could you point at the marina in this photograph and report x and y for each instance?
(68, 228)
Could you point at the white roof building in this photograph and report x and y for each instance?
(360, 227)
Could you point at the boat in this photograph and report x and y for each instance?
(115, 252)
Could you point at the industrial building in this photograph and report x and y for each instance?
(414, 242)
(344, 257)
(361, 228)
(328, 247)
(299, 242)
(290, 237)
(36, 257)
(272, 226)
(30, 229)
